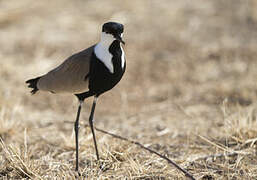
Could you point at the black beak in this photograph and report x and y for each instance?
(118, 37)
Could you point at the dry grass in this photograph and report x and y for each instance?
(189, 92)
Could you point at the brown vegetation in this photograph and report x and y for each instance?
(189, 92)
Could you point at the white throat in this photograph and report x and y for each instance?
(102, 51)
(106, 39)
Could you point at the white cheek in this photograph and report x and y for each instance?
(107, 38)
(106, 35)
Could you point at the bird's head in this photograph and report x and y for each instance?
(112, 31)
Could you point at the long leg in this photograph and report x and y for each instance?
(91, 119)
(76, 127)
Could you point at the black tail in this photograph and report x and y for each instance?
(33, 84)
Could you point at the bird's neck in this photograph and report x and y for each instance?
(110, 53)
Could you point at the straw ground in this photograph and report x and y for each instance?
(189, 92)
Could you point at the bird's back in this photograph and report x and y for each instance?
(70, 76)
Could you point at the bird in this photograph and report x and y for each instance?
(90, 72)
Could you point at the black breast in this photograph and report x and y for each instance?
(100, 78)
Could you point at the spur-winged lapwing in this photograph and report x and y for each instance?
(90, 72)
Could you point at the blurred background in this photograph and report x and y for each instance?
(191, 72)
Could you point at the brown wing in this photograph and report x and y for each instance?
(69, 77)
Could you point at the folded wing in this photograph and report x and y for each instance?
(69, 77)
